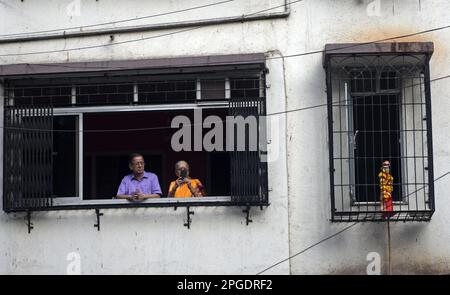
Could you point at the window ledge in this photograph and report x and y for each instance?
(377, 204)
(162, 202)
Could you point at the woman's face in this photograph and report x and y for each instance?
(182, 166)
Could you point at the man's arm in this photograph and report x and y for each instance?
(155, 189)
(151, 196)
(122, 191)
(127, 197)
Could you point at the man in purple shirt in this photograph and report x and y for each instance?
(139, 185)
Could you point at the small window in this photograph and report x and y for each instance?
(379, 116)
(213, 89)
(101, 94)
(156, 92)
(56, 95)
(65, 156)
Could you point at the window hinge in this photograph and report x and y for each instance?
(247, 215)
(189, 220)
(29, 223)
(98, 214)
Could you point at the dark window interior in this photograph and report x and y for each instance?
(245, 87)
(99, 94)
(167, 91)
(376, 120)
(65, 156)
(219, 165)
(106, 153)
(107, 171)
(55, 95)
(213, 89)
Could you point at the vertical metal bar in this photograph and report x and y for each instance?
(2, 145)
(423, 142)
(390, 156)
(429, 134)
(80, 133)
(341, 164)
(198, 93)
(351, 144)
(405, 135)
(232, 152)
(73, 95)
(44, 163)
(135, 93)
(10, 154)
(227, 88)
(39, 165)
(374, 129)
(330, 133)
(50, 156)
(414, 143)
(19, 155)
(23, 145)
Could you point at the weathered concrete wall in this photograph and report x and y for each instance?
(154, 240)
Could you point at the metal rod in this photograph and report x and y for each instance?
(150, 27)
(98, 214)
(389, 246)
(29, 223)
(189, 219)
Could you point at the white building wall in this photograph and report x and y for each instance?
(154, 240)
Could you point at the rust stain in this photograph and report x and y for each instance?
(370, 34)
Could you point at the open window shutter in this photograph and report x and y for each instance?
(248, 166)
(28, 147)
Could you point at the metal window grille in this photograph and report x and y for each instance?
(248, 167)
(248, 171)
(27, 161)
(379, 109)
(67, 92)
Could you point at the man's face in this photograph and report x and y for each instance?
(137, 165)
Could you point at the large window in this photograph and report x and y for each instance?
(379, 111)
(72, 136)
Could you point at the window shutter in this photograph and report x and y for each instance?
(248, 166)
(28, 147)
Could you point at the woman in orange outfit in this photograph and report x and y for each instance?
(184, 186)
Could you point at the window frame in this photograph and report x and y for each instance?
(80, 111)
(349, 97)
(333, 58)
(77, 202)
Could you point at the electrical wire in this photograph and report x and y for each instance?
(195, 28)
(327, 238)
(308, 248)
(135, 40)
(187, 125)
(116, 22)
(253, 60)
